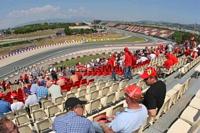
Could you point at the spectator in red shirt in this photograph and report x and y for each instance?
(127, 59)
(193, 55)
(79, 75)
(173, 58)
(166, 66)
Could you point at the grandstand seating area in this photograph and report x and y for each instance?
(143, 30)
(107, 97)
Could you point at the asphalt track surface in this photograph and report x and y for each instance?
(9, 69)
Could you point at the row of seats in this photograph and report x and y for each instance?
(189, 120)
(187, 67)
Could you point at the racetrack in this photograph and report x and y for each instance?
(9, 69)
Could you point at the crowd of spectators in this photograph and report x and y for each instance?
(48, 85)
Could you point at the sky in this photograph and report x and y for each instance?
(15, 12)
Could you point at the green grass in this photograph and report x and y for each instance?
(129, 39)
(72, 62)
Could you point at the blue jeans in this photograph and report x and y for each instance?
(127, 72)
(114, 75)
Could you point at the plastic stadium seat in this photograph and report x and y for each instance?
(38, 115)
(81, 92)
(114, 87)
(10, 115)
(195, 103)
(91, 89)
(43, 125)
(93, 95)
(21, 111)
(110, 82)
(189, 115)
(22, 119)
(104, 91)
(26, 128)
(59, 100)
(179, 126)
(74, 89)
(34, 107)
(108, 100)
(52, 110)
(46, 103)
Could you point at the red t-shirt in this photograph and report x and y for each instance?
(174, 59)
(168, 63)
(79, 75)
(111, 62)
(128, 59)
(187, 52)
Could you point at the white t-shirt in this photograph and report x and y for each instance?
(16, 106)
(152, 56)
(32, 99)
(55, 91)
(129, 120)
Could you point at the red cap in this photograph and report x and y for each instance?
(1, 95)
(126, 49)
(192, 38)
(114, 55)
(134, 92)
(14, 95)
(149, 71)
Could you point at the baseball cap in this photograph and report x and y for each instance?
(126, 49)
(13, 95)
(27, 91)
(134, 92)
(114, 55)
(42, 83)
(1, 95)
(72, 102)
(149, 71)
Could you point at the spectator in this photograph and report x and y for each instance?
(131, 119)
(34, 87)
(127, 59)
(54, 91)
(170, 48)
(73, 77)
(7, 126)
(30, 99)
(16, 105)
(61, 81)
(42, 91)
(54, 75)
(166, 66)
(155, 95)
(173, 58)
(112, 63)
(4, 106)
(73, 122)
(79, 74)
(193, 55)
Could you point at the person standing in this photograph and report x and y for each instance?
(155, 95)
(113, 64)
(4, 106)
(73, 122)
(131, 119)
(127, 59)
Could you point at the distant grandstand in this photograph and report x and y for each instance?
(164, 34)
